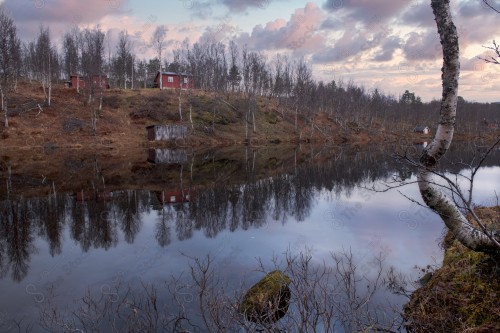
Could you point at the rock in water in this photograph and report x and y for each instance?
(268, 300)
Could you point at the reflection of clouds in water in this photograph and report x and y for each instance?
(260, 220)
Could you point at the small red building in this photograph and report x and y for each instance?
(173, 80)
(76, 80)
(174, 196)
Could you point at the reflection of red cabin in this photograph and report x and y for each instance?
(168, 197)
(82, 196)
(76, 79)
(173, 80)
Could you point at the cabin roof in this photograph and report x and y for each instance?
(173, 73)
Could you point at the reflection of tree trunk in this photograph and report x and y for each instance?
(254, 106)
(182, 185)
(9, 181)
(431, 193)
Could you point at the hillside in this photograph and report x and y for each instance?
(218, 120)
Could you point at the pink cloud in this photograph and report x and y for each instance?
(300, 32)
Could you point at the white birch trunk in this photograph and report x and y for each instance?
(161, 79)
(50, 92)
(100, 89)
(49, 83)
(180, 98)
(4, 107)
(432, 195)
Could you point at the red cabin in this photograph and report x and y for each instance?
(173, 80)
(175, 196)
(83, 81)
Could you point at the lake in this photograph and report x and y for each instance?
(85, 232)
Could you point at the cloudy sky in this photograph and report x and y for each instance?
(387, 44)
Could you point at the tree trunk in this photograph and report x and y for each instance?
(180, 100)
(49, 82)
(254, 106)
(100, 92)
(432, 195)
(4, 107)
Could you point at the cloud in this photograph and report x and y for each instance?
(63, 11)
(388, 48)
(59, 14)
(422, 46)
(350, 44)
(243, 5)
(366, 10)
(301, 32)
(199, 9)
(420, 16)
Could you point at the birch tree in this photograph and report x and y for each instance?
(45, 62)
(475, 238)
(159, 43)
(92, 66)
(123, 60)
(71, 52)
(10, 58)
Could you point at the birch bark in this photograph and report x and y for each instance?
(433, 196)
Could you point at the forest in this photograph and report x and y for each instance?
(217, 67)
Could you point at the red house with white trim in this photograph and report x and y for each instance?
(173, 80)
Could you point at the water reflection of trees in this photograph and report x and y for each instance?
(97, 218)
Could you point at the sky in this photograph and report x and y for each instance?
(391, 45)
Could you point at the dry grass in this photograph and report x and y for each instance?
(126, 113)
(463, 295)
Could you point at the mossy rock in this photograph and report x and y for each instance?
(268, 300)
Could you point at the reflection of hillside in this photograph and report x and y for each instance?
(225, 192)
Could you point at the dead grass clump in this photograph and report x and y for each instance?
(463, 295)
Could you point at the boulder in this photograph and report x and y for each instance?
(268, 300)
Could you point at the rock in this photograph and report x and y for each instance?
(268, 300)
(425, 279)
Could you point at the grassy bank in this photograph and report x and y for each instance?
(464, 294)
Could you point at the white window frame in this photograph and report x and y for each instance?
(170, 79)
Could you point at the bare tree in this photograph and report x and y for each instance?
(10, 57)
(92, 66)
(158, 42)
(123, 62)
(71, 53)
(45, 62)
(234, 73)
(334, 296)
(477, 239)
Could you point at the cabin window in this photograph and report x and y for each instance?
(185, 80)
(172, 198)
(170, 79)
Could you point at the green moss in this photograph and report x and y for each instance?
(462, 295)
(268, 299)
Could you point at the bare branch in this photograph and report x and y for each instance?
(490, 6)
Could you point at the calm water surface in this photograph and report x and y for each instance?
(89, 225)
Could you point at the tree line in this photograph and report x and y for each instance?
(216, 67)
